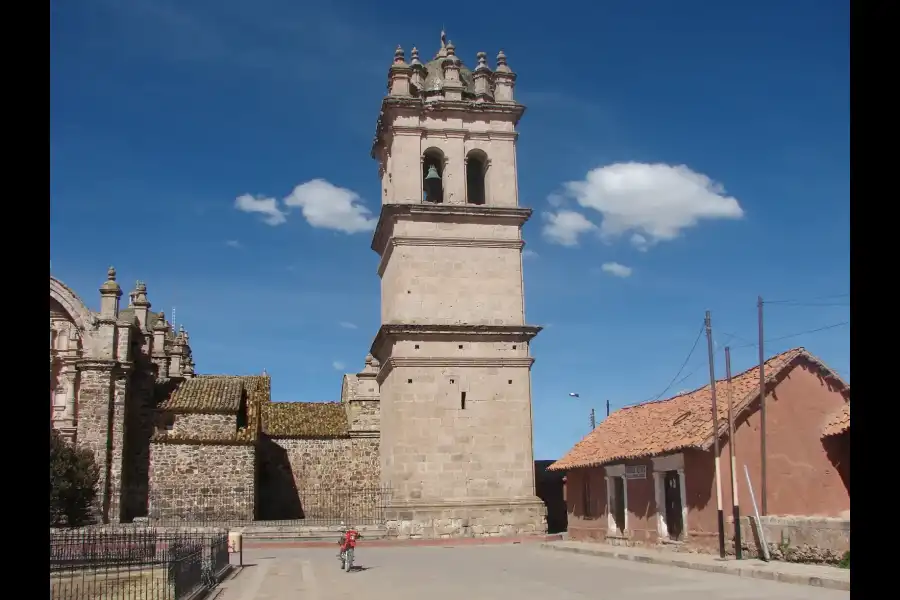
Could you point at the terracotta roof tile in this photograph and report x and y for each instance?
(304, 419)
(217, 394)
(683, 421)
(838, 423)
(206, 394)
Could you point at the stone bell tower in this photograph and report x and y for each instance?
(455, 376)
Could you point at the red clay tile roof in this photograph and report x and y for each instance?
(838, 423)
(683, 421)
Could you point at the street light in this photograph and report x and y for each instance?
(593, 418)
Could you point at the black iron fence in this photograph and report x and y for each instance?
(135, 564)
(230, 506)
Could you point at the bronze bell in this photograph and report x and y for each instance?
(432, 185)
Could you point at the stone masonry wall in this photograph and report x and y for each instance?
(320, 478)
(796, 539)
(333, 463)
(202, 426)
(208, 482)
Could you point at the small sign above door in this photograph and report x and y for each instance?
(636, 472)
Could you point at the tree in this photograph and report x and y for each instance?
(73, 482)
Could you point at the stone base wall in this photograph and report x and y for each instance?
(202, 482)
(795, 539)
(466, 519)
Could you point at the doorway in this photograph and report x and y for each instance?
(619, 504)
(674, 517)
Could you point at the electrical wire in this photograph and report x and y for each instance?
(793, 335)
(684, 364)
(795, 300)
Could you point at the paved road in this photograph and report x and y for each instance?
(522, 572)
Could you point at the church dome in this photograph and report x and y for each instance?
(434, 77)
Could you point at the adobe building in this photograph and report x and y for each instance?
(646, 474)
(433, 435)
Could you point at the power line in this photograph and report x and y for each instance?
(799, 333)
(793, 300)
(683, 365)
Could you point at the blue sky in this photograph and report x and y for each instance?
(698, 150)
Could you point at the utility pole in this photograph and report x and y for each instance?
(593, 420)
(715, 419)
(607, 408)
(762, 410)
(732, 451)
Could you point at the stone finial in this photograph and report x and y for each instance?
(369, 358)
(140, 294)
(110, 286)
(482, 62)
(161, 324)
(399, 57)
(502, 64)
(414, 55)
(451, 49)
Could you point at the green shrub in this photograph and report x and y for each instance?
(845, 561)
(73, 482)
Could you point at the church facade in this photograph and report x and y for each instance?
(440, 413)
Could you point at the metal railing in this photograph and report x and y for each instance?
(134, 564)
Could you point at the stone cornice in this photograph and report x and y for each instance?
(367, 434)
(443, 213)
(414, 105)
(522, 362)
(522, 333)
(96, 365)
(449, 242)
(452, 132)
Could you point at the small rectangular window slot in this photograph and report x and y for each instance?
(462, 400)
(452, 381)
(460, 346)
(509, 381)
(417, 346)
(514, 346)
(409, 381)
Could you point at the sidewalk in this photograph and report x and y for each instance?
(815, 575)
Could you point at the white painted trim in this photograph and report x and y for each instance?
(659, 483)
(670, 462)
(615, 471)
(610, 499)
(684, 506)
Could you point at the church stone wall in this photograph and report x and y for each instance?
(204, 426)
(202, 481)
(332, 463)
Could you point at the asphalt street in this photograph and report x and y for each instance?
(522, 572)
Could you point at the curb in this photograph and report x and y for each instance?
(748, 572)
(387, 543)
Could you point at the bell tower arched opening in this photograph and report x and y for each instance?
(476, 177)
(433, 176)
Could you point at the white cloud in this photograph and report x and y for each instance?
(267, 207)
(564, 227)
(323, 205)
(347, 325)
(616, 269)
(233, 244)
(330, 207)
(338, 365)
(529, 254)
(653, 202)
